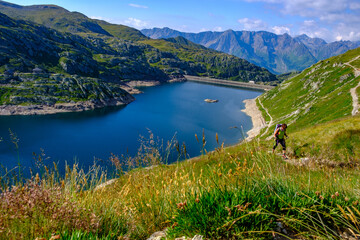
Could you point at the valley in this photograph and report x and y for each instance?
(108, 132)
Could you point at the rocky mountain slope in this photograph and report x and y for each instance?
(26, 45)
(117, 52)
(277, 53)
(41, 93)
(198, 60)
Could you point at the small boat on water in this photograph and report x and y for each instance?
(211, 100)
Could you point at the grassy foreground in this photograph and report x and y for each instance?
(240, 192)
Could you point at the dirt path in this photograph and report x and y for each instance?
(271, 119)
(355, 98)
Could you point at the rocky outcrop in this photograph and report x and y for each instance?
(62, 107)
(26, 94)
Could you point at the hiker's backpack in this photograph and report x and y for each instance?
(277, 126)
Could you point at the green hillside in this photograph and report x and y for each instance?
(26, 45)
(208, 62)
(122, 31)
(317, 105)
(53, 16)
(319, 94)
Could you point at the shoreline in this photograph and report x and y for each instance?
(257, 119)
(130, 87)
(10, 110)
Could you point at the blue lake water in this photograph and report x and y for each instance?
(165, 110)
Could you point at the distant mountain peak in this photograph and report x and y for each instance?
(302, 36)
(277, 53)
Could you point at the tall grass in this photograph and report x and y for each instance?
(230, 193)
(337, 141)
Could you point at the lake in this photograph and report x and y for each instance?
(166, 110)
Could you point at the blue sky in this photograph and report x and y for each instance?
(328, 19)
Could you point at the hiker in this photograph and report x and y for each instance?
(279, 134)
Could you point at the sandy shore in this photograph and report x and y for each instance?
(257, 119)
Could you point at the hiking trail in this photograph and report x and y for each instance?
(355, 98)
(271, 119)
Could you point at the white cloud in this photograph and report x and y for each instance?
(334, 19)
(137, 23)
(314, 30)
(252, 24)
(218, 29)
(137, 5)
(344, 31)
(281, 30)
(260, 25)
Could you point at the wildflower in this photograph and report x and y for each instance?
(346, 199)
(242, 207)
(355, 203)
(181, 205)
(337, 194)
(321, 197)
(333, 196)
(229, 210)
(197, 200)
(317, 193)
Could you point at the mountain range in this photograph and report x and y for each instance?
(95, 48)
(277, 53)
